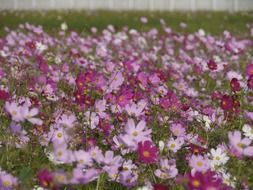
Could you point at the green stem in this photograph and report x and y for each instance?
(98, 181)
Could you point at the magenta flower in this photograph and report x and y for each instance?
(235, 85)
(226, 103)
(212, 65)
(249, 70)
(125, 97)
(45, 178)
(4, 95)
(250, 82)
(148, 153)
(205, 181)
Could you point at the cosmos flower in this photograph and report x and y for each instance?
(235, 85)
(249, 70)
(167, 169)
(199, 163)
(45, 178)
(205, 181)
(147, 152)
(238, 145)
(175, 144)
(29, 115)
(248, 131)
(15, 111)
(218, 157)
(177, 129)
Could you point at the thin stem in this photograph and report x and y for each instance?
(98, 181)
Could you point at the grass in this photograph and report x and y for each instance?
(82, 21)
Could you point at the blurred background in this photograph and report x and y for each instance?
(190, 5)
(213, 16)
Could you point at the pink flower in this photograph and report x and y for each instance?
(125, 97)
(238, 145)
(83, 158)
(136, 109)
(7, 181)
(177, 129)
(168, 169)
(147, 152)
(67, 120)
(115, 81)
(84, 176)
(15, 111)
(175, 144)
(135, 134)
(29, 115)
(199, 163)
(249, 70)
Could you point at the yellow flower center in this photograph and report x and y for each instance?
(172, 145)
(146, 154)
(59, 135)
(7, 183)
(199, 163)
(14, 113)
(135, 133)
(61, 178)
(196, 183)
(60, 153)
(240, 145)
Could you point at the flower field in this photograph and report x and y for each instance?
(124, 108)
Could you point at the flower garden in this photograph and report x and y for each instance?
(126, 108)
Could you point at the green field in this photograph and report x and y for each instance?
(82, 21)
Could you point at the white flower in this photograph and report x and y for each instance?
(248, 131)
(144, 188)
(92, 119)
(207, 122)
(228, 179)
(218, 157)
(201, 32)
(57, 60)
(40, 47)
(64, 26)
(36, 187)
(51, 157)
(3, 54)
(161, 145)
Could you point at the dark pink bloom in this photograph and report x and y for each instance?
(170, 101)
(249, 70)
(211, 64)
(147, 152)
(124, 98)
(160, 187)
(45, 178)
(250, 82)
(4, 95)
(235, 85)
(205, 181)
(226, 102)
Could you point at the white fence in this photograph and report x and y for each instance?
(192, 5)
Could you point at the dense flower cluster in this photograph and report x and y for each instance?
(147, 110)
